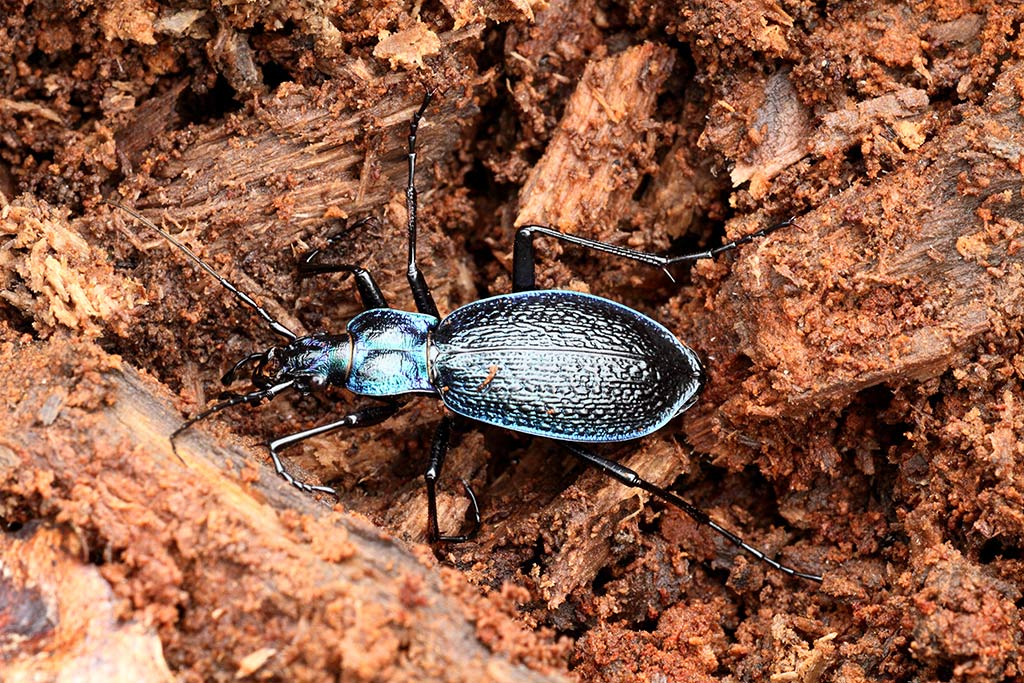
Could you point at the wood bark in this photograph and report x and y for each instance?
(897, 281)
(274, 583)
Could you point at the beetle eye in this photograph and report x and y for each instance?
(317, 382)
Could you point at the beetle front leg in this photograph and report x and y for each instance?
(438, 451)
(369, 291)
(365, 417)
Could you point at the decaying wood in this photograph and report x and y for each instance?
(590, 165)
(59, 618)
(307, 162)
(273, 582)
(50, 273)
(866, 375)
(895, 281)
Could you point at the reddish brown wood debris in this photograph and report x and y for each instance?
(862, 416)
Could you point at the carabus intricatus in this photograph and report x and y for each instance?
(572, 367)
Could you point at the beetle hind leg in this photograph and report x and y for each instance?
(631, 478)
(524, 256)
(729, 246)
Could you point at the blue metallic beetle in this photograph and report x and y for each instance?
(563, 365)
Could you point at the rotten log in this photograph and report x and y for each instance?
(840, 117)
(59, 618)
(891, 283)
(269, 581)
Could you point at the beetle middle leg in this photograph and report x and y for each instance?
(524, 256)
(420, 291)
(364, 417)
(630, 478)
(438, 451)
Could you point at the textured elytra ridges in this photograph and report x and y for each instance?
(564, 365)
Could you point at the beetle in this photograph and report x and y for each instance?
(572, 367)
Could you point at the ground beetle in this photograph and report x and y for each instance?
(563, 365)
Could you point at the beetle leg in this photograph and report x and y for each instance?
(438, 451)
(631, 478)
(364, 417)
(729, 246)
(369, 291)
(524, 257)
(420, 291)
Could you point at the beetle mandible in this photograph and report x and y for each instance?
(563, 365)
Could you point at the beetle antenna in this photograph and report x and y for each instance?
(275, 325)
(253, 398)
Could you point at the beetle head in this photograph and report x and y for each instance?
(310, 364)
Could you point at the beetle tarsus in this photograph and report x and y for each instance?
(433, 533)
(524, 256)
(369, 292)
(420, 291)
(734, 244)
(438, 451)
(302, 486)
